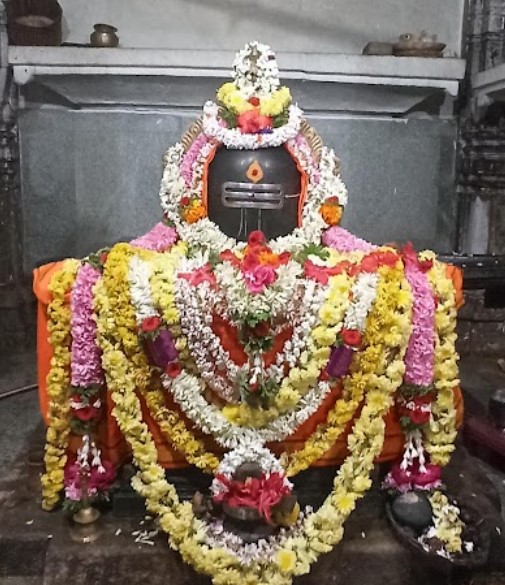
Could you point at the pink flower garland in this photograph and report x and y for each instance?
(341, 240)
(86, 357)
(159, 239)
(190, 157)
(420, 355)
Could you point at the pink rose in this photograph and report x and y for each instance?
(259, 277)
(101, 478)
(430, 478)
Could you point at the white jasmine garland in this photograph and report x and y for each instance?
(364, 291)
(234, 139)
(139, 274)
(248, 453)
(249, 553)
(276, 299)
(264, 78)
(187, 391)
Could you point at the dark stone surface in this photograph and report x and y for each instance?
(36, 547)
(412, 509)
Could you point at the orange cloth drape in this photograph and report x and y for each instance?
(113, 444)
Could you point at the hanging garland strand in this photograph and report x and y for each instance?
(364, 369)
(125, 334)
(441, 432)
(58, 384)
(323, 529)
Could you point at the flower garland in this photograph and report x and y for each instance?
(447, 527)
(159, 239)
(86, 365)
(58, 385)
(237, 102)
(340, 239)
(182, 204)
(116, 283)
(171, 425)
(364, 369)
(234, 138)
(322, 530)
(441, 432)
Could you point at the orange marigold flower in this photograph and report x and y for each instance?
(331, 213)
(268, 257)
(194, 213)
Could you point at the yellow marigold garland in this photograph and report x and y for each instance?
(122, 312)
(322, 530)
(313, 360)
(58, 384)
(384, 334)
(441, 432)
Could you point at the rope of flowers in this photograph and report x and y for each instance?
(321, 530)
(58, 385)
(441, 432)
(125, 334)
(376, 317)
(171, 425)
(188, 390)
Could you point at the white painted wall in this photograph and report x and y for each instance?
(328, 26)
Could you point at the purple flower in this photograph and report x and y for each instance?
(159, 239)
(420, 354)
(341, 240)
(340, 361)
(161, 350)
(86, 355)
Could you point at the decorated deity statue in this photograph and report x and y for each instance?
(251, 336)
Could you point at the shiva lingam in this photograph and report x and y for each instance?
(244, 506)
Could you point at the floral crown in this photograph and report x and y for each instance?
(253, 111)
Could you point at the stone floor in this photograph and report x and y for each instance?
(38, 548)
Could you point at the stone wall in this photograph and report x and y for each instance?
(91, 178)
(328, 26)
(481, 323)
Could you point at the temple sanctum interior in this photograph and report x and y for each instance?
(252, 292)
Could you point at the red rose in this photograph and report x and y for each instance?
(102, 479)
(425, 265)
(419, 417)
(433, 474)
(351, 337)
(254, 387)
(254, 101)
(252, 122)
(173, 369)
(150, 324)
(103, 257)
(256, 238)
(185, 201)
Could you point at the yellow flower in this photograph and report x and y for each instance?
(345, 503)
(286, 560)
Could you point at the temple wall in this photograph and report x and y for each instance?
(331, 26)
(91, 177)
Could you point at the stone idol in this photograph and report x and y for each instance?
(249, 336)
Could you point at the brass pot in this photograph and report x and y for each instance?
(104, 35)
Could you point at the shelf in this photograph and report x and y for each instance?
(72, 71)
(489, 86)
